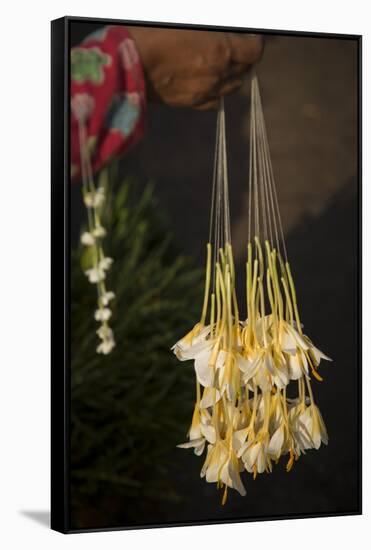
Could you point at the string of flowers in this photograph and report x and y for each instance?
(94, 199)
(242, 414)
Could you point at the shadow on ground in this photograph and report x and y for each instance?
(42, 517)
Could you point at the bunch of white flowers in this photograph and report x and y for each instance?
(242, 414)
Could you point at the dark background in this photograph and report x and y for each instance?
(309, 92)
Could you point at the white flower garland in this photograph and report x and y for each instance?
(94, 200)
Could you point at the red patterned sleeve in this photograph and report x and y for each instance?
(107, 95)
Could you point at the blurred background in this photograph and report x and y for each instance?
(130, 410)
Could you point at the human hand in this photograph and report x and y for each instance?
(187, 68)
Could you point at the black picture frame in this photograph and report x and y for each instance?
(60, 265)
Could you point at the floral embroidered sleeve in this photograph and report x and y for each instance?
(107, 97)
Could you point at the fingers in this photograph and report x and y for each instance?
(230, 86)
(225, 54)
(235, 70)
(245, 48)
(213, 102)
(208, 105)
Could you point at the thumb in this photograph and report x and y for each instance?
(245, 48)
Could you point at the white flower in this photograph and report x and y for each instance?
(298, 346)
(198, 346)
(249, 365)
(108, 343)
(275, 411)
(317, 355)
(200, 431)
(210, 396)
(280, 373)
(262, 330)
(94, 199)
(216, 456)
(245, 428)
(99, 232)
(230, 473)
(95, 274)
(290, 339)
(193, 342)
(197, 444)
(265, 367)
(283, 442)
(278, 442)
(279, 359)
(201, 425)
(107, 297)
(255, 455)
(105, 263)
(308, 427)
(102, 314)
(298, 364)
(239, 438)
(205, 365)
(227, 372)
(212, 364)
(299, 431)
(106, 347)
(87, 239)
(105, 332)
(222, 464)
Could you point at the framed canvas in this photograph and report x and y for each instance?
(206, 204)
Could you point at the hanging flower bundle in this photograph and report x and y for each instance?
(242, 415)
(94, 200)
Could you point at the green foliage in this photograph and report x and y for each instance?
(129, 409)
